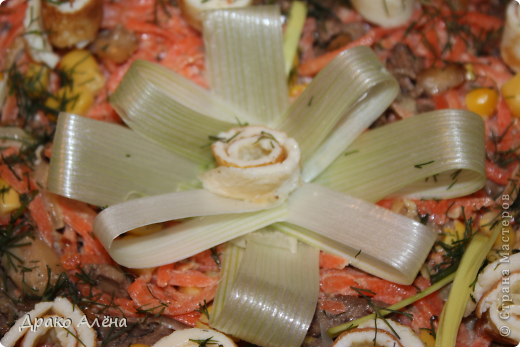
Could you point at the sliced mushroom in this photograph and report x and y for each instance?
(37, 258)
(435, 81)
(117, 44)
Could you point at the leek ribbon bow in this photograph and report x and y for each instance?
(149, 174)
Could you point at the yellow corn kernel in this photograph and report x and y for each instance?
(37, 80)
(143, 272)
(427, 339)
(146, 230)
(200, 325)
(511, 94)
(73, 100)
(139, 345)
(482, 101)
(84, 70)
(9, 198)
(488, 220)
(297, 90)
(193, 291)
(492, 256)
(506, 238)
(455, 234)
(470, 72)
(203, 317)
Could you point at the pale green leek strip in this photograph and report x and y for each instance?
(453, 311)
(15, 134)
(230, 263)
(273, 298)
(116, 220)
(333, 332)
(293, 32)
(244, 53)
(171, 110)
(181, 241)
(449, 144)
(374, 239)
(341, 102)
(105, 164)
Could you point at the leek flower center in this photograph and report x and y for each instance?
(255, 163)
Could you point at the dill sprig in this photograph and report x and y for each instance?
(265, 135)
(503, 158)
(377, 310)
(30, 95)
(151, 311)
(480, 42)
(420, 166)
(431, 330)
(215, 256)
(203, 309)
(208, 341)
(454, 252)
(111, 336)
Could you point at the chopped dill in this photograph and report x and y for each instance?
(449, 207)
(203, 309)
(385, 5)
(77, 338)
(215, 256)
(431, 330)
(265, 135)
(351, 152)
(208, 341)
(455, 174)
(420, 166)
(111, 336)
(377, 310)
(358, 253)
(240, 123)
(451, 185)
(454, 252)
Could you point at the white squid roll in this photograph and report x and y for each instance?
(194, 337)
(510, 45)
(192, 9)
(365, 333)
(57, 323)
(386, 13)
(496, 299)
(255, 164)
